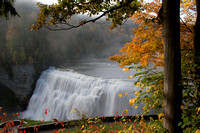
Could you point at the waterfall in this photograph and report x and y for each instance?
(62, 91)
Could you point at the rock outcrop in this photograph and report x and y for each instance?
(21, 83)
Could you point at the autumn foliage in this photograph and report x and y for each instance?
(145, 51)
(147, 44)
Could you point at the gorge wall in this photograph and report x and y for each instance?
(17, 90)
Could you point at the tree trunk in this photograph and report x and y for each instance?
(197, 49)
(172, 65)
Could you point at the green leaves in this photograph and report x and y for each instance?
(151, 93)
(62, 12)
(7, 8)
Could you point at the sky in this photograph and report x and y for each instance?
(47, 1)
(55, 1)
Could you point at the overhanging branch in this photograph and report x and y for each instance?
(70, 26)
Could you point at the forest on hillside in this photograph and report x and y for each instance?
(19, 45)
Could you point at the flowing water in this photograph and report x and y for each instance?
(92, 88)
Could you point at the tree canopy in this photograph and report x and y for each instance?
(146, 49)
(58, 16)
(7, 8)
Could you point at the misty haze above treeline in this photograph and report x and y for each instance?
(19, 45)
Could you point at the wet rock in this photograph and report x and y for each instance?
(21, 84)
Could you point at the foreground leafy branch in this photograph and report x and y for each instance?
(7, 8)
(57, 16)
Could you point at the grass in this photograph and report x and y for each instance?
(105, 127)
(123, 124)
(28, 123)
(98, 126)
(83, 125)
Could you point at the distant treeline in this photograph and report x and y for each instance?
(19, 45)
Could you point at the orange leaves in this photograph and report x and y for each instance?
(132, 101)
(15, 114)
(125, 69)
(120, 95)
(147, 45)
(152, 7)
(131, 76)
(36, 128)
(137, 93)
(188, 4)
(160, 116)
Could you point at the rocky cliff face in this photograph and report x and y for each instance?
(21, 83)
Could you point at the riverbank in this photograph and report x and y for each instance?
(44, 128)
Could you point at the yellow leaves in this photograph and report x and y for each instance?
(147, 100)
(137, 93)
(198, 109)
(131, 76)
(120, 95)
(82, 126)
(197, 131)
(126, 111)
(138, 84)
(73, 110)
(152, 86)
(54, 6)
(61, 130)
(148, 90)
(188, 4)
(132, 101)
(160, 116)
(181, 107)
(156, 92)
(125, 69)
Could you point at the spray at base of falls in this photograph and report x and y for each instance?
(62, 91)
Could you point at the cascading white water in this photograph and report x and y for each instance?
(62, 91)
